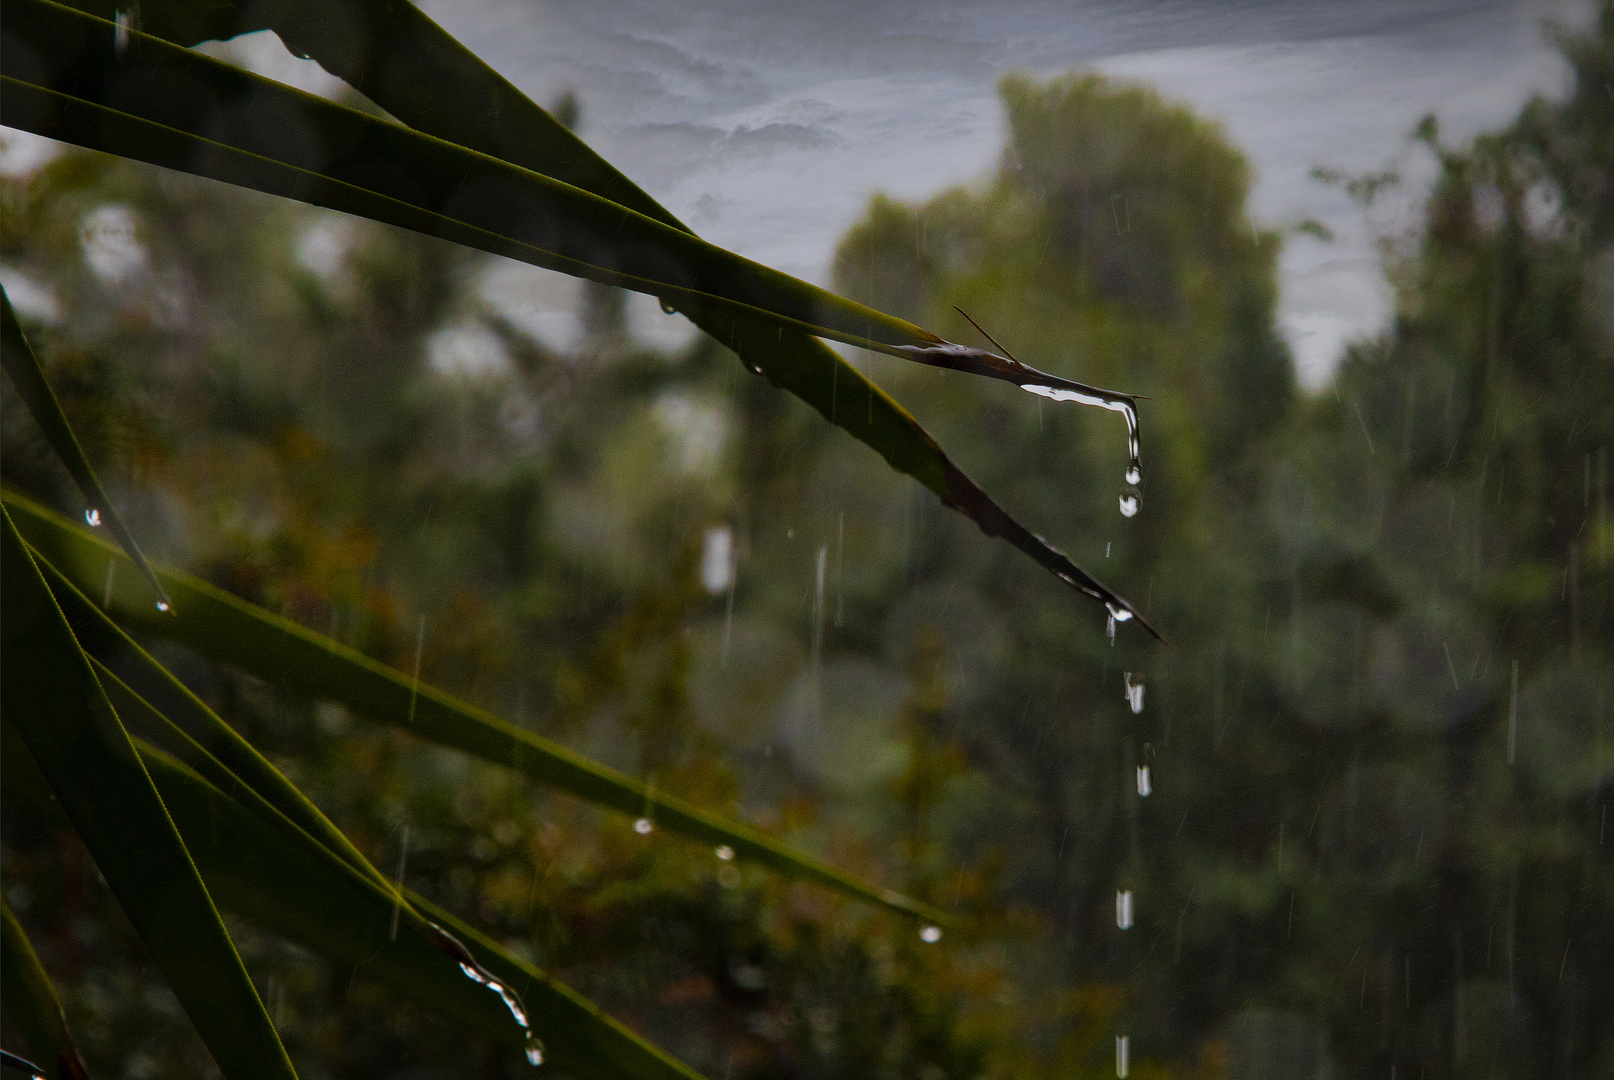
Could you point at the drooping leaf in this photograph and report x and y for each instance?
(29, 378)
(32, 1004)
(51, 695)
(229, 629)
(81, 87)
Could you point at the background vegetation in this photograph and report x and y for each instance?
(1377, 836)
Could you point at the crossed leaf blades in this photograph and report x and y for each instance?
(196, 814)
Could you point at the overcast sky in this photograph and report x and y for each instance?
(767, 124)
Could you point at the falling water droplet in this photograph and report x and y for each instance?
(1145, 785)
(1123, 909)
(1513, 716)
(644, 826)
(1134, 692)
(666, 305)
(535, 1051)
(930, 934)
(725, 853)
(163, 605)
(1122, 1052)
(93, 516)
(122, 24)
(1130, 503)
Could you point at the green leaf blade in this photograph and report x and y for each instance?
(29, 378)
(32, 1003)
(52, 697)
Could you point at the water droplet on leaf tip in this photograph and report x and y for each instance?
(93, 516)
(163, 605)
(666, 305)
(930, 934)
(725, 853)
(644, 826)
(1129, 504)
(535, 1052)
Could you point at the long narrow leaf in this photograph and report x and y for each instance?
(303, 892)
(29, 378)
(198, 736)
(32, 1004)
(243, 129)
(229, 629)
(52, 697)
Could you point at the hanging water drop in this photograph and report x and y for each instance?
(1123, 909)
(93, 516)
(1134, 692)
(1122, 1052)
(930, 934)
(535, 1051)
(1124, 406)
(644, 826)
(1130, 503)
(666, 305)
(1145, 785)
(725, 853)
(1117, 615)
(163, 605)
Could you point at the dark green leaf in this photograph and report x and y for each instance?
(32, 1004)
(52, 697)
(29, 379)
